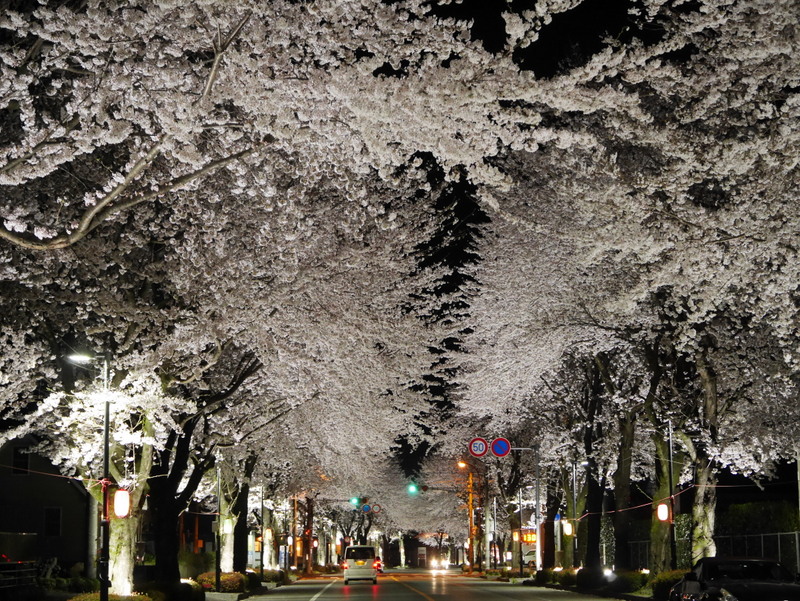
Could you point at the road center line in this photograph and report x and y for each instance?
(419, 592)
(330, 584)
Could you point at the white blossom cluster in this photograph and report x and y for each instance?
(182, 184)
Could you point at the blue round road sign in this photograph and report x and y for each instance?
(501, 447)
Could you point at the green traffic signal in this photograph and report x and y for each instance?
(355, 501)
(412, 489)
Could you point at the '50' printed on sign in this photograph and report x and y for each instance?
(478, 447)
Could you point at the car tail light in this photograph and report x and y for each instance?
(376, 564)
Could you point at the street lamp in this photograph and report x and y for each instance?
(462, 465)
(105, 534)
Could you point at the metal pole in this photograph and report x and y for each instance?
(261, 554)
(520, 530)
(471, 525)
(494, 532)
(574, 514)
(218, 566)
(104, 523)
(536, 509)
(673, 561)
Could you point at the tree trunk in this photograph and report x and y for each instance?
(552, 505)
(594, 508)
(705, 500)
(226, 521)
(241, 531)
(168, 500)
(165, 512)
(122, 556)
(704, 511)
(308, 533)
(622, 518)
(660, 559)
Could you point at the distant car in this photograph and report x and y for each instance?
(359, 564)
(732, 579)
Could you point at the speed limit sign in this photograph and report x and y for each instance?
(478, 447)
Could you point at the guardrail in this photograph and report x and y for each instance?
(17, 574)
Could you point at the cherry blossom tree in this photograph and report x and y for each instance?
(179, 179)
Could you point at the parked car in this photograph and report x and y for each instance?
(733, 579)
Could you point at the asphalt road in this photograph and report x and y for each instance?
(417, 586)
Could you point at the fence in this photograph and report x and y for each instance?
(783, 546)
(16, 575)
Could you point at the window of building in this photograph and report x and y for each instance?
(52, 521)
(21, 461)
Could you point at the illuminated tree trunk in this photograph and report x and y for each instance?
(123, 553)
(704, 511)
(660, 559)
(705, 478)
(226, 523)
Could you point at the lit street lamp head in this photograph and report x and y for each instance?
(80, 358)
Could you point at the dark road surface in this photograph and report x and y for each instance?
(407, 585)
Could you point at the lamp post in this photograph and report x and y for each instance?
(574, 515)
(105, 530)
(471, 556)
(218, 539)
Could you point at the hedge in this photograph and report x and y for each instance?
(230, 582)
(663, 582)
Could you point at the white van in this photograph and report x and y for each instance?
(359, 564)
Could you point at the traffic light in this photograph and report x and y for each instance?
(359, 501)
(413, 488)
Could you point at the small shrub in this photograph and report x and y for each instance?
(230, 582)
(252, 580)
(47, 583)
(566, 578)
(590, 579)
(62, 584)
(545, 576)
(278, 576)
(664, 581)
(79, 584)
(191, 564)
(111, 597)
(627, 581)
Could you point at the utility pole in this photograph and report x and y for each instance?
(471, 524)
(673, 551)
